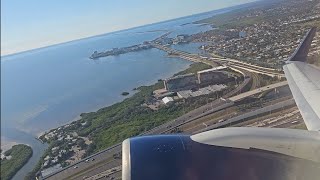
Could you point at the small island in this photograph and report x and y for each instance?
(14, 159)
(125, 93)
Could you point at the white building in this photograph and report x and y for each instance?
(167, 100)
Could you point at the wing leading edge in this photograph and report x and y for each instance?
(304, 82)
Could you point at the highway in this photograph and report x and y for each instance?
(88, 166)
(243, 117)
(255, 81)
(106, 173)
(213, 61)
(250, 67)
(258, 91)
(183, 55)
(106, 155)
(104, 161)
(284, 120)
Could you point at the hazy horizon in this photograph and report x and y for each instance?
(44, 31)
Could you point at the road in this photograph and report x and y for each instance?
(250, 67)
(255, 81)
(106, 156)
(258, 91)
(286, 117)
(282, 119)
(255, 113)
(101, 162)
(213, 61)
(106, 173)
(104, 159)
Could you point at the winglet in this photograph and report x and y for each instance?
(301, 52)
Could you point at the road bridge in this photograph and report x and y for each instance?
(200, 112)
(103, 157)
(211, 61)
(250, 67)
(258, 91)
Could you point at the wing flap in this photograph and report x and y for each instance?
(304, 82)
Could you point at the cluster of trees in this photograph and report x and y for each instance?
(20, 154)
(52, 143)
(128, 118)
(113, 124)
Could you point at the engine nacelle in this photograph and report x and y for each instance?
(183, 157)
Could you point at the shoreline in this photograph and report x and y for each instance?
(138, 89)
(135, 90)
(6, 144)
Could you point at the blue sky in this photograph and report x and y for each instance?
(29, 24)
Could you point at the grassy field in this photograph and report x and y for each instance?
(20, 154)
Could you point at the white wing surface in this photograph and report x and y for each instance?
(304, 82)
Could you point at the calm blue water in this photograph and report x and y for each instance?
(45, 88)
(48, 87)
(190, 47)
(51, 86)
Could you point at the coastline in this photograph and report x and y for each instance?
(78, 117)
(135, 90)
(132, 94)
(20, 155)
(7, 144)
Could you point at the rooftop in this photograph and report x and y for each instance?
(213, 69)
(180, 76)
(167, 100)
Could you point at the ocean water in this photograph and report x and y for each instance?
(190, 47)
(48, 87)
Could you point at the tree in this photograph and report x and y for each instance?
(81, 143)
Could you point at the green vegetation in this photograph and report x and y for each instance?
(31, 175)
(195, 67)
(20, 154)
(113, 124)
(124, 93)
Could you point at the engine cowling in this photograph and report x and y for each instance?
(178, 157)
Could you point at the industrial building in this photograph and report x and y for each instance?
(202, 91)
(213, 76)
(181, 82)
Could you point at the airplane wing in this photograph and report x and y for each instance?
(304, 82)
(240, 153)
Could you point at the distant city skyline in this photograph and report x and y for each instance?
(32, 24)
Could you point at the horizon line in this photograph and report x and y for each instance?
(120, 30)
